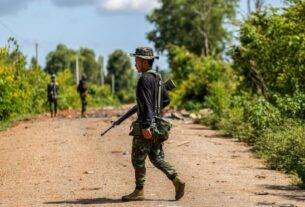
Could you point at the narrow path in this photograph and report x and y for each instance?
(64, 162)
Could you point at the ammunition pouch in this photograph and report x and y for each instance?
(135, 129)
(160, 129)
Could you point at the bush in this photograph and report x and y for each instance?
(101, 96)
(291, 106)
(24, 91)
(199, 77)
(262, 114)
(21, 91)
(69, 97)
(285, 148)
(234, 124)
(262, 101)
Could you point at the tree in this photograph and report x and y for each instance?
(15, 56)
(60, 59)
(195, 24)
(90, 65)
(119, 66)
(65, 58)
(258, 4)
(271, 57)
(34, 64)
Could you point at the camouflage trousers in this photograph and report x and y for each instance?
(142, 148)
(84, 104)
(53, 106)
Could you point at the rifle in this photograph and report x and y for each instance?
(169, 85)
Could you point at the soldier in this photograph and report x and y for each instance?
(144, 144)
(82, 90)
(52, 91)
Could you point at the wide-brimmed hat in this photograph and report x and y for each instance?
(145, 53)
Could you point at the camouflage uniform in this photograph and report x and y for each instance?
(82, 89)
(52, 91)
(141, 147)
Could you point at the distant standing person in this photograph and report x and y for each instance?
(82, 90)
(52, 91)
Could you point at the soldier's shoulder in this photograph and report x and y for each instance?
(147, 76)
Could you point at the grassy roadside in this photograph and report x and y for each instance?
(4, 125)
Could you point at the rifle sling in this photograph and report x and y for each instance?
(158, 92)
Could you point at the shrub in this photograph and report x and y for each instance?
(68, 96)
(285, 148)
(291, 106)
(24, 91)
(262, 114)
(21, 91)
(197, 78)
(101, 96)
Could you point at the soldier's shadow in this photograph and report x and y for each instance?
(95, 201)
(86, 201)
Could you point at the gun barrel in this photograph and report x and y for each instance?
(129, 113)
(103, 133)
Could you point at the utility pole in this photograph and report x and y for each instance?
(102, 76)
(113, 84)
(101, 61)
(36, 56)
(77, 69)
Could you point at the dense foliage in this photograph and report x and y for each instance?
(197, 25)
(271, 55)
(259, 98)
(270, 62)
(119, 68)
(63, 58)
(197, 78)
(23, 90)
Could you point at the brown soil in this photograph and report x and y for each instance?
(65, 162)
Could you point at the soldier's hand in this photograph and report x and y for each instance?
(146, 133)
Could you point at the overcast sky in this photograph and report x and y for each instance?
(104, 25)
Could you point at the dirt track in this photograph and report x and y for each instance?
(64, 162)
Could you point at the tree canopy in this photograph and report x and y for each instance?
(90, 65)
(271, 56)
(59, 59)
(197, 25)
(119, 65)
(65, 58)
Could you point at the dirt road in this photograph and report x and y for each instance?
(64, 162)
